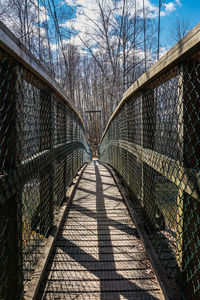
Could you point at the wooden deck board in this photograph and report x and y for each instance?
(137, 295)
(98, 253)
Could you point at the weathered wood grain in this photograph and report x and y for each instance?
(98, 253)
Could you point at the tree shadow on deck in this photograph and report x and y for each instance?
(112, 284)
(95, 193)
(105, 183)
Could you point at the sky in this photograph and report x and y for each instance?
(79, 10)
(188, 9)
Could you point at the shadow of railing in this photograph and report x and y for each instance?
(106, 280)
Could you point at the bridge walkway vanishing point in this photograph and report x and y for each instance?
(98, 253)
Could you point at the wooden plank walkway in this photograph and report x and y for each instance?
(98, 253)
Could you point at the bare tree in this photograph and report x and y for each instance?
(178, 30)
(94, 78)
(28, 21)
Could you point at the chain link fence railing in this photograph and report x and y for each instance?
(42, 146)
(153, 141)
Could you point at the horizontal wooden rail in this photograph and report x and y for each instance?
(164, 165)
(184, 48)
(9, 185)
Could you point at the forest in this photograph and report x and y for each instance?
(95, 50)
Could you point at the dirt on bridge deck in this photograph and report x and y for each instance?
(98, 253)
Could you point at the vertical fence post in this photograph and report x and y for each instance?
(127, 138)
(76, 154)
(65, 141)
(179, 217)
(69, 157)
(72, 155)
(67, 116)
(148, 126)
(11, 265)
(189, 155)
(52, 167)
(82, 151)
(46, 174)
(142, 144)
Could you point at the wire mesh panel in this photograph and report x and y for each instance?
(134, 110)
(159, 159)
(40, 142)
(59, 183)
(60, 121)
(11, 210)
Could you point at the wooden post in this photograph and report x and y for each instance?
(188, 212)
(179, 217)
(148, 127)
(11, 263)
(67, 131)
(127, 138)
(142, 115)
(46, 175)
(65, 141)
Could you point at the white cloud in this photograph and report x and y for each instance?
(83, 24)
(163, 50)
(10, 16)
(87, 15)
(33, 6)
(151, 10)
(179, 2)
(71, 2)
(76, 40)
(169, 7)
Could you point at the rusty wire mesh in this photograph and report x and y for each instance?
(153, 141)
(42, 146)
